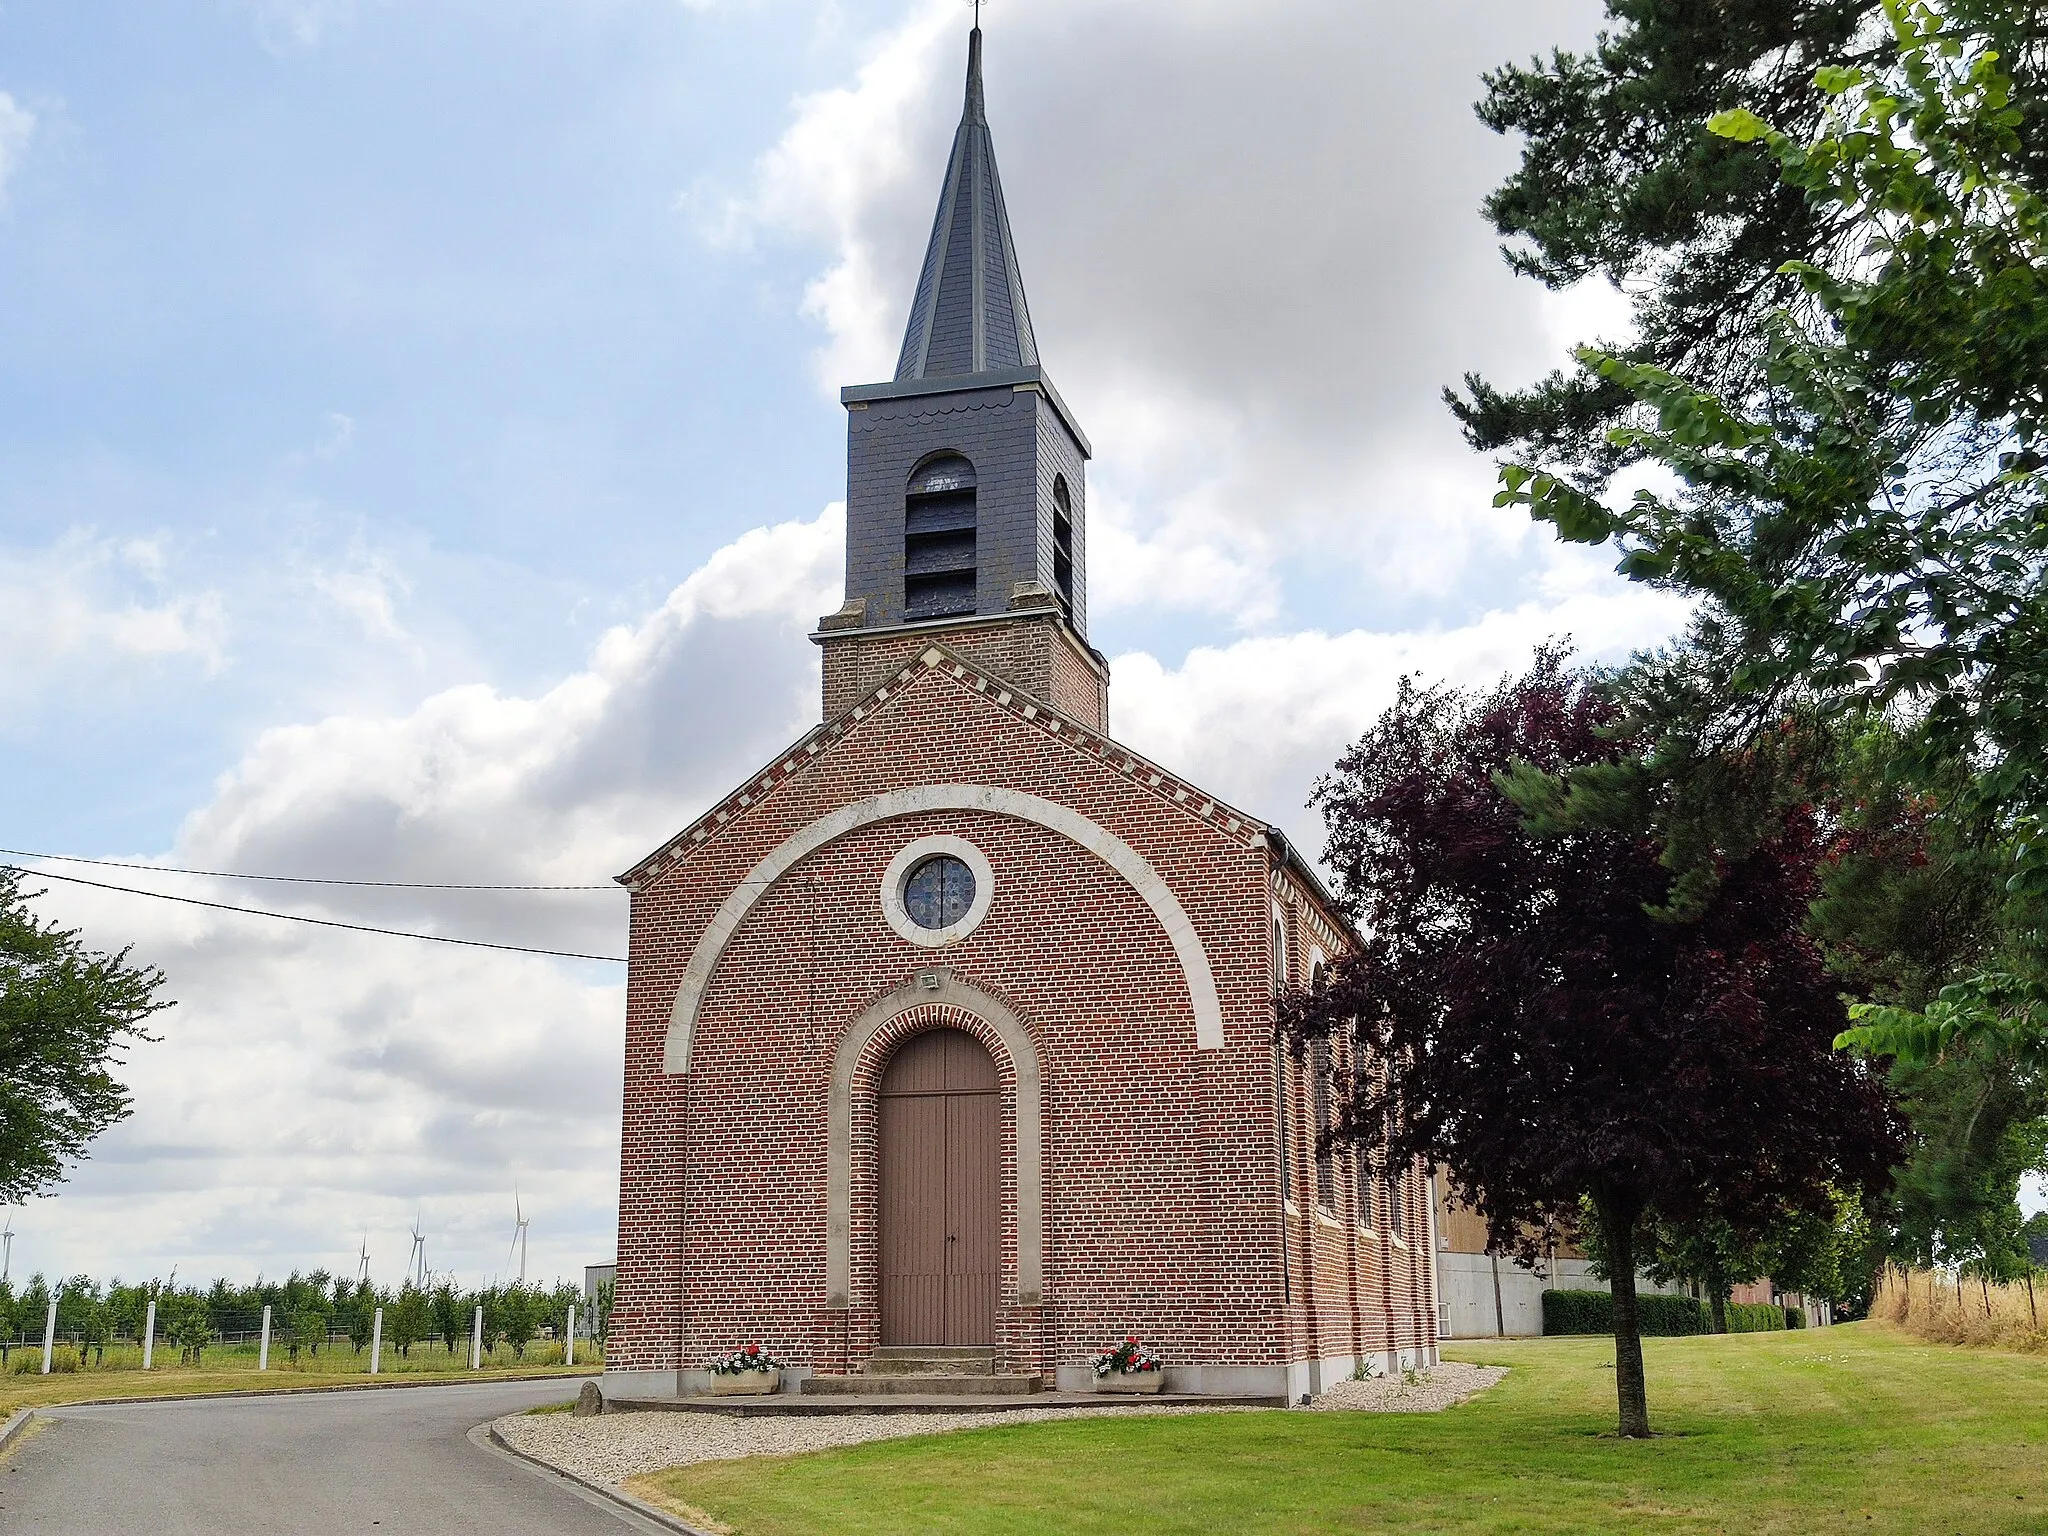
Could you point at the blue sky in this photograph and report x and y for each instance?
(419, 457)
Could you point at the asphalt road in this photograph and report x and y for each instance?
(398, 1462)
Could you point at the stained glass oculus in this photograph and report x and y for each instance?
(938, 891)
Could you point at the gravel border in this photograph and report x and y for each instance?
(607, 1450)
(1435, 1388)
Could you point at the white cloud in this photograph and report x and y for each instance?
(313, 1084)
(88, 611)
(17, 125)
(1257, 721)
(299, 26)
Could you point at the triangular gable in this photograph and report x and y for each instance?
(1160, 783)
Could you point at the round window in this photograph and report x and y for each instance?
(938, 891)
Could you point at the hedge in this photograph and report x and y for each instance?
(1657, 1316)
(1755, 1317)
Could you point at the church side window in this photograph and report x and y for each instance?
(1321, 1070)
(1280, 1066)
(1063, 544)
(939, 558)
(1361, 1159)
(1397, 1190)
(1326, 1157)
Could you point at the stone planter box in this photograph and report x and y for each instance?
(1131, 1381)
(747, 1383)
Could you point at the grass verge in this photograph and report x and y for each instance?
(37, 1391)
(1855, 1428)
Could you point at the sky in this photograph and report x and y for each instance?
(420, 459)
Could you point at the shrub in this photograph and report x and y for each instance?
(1795, 1317)
(1755, 1317)
(1592, 1312)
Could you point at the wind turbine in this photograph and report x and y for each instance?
(7, 1249)
(416, 1266)
(363, 1260)
(519, 1222)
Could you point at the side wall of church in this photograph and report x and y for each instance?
(1161, 1185)
(1362, 1276)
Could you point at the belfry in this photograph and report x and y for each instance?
(950, 1046)
(966, 474)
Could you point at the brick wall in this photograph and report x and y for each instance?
(1035, 653)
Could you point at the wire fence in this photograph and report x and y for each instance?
(311, 1324)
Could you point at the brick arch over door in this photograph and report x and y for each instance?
(857, 1061)
(1054, 817)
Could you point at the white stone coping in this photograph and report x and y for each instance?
(995, 800)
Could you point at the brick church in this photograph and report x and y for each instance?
(952, 1027)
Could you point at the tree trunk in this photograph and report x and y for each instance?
(1618, 1225)
(1720, 1308)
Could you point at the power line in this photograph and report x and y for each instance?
(318, 922)
(230, 874)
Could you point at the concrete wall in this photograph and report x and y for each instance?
(1466, 1305)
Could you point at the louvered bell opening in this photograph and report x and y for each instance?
(1063, 545)
(939, 573)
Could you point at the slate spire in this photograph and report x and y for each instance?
(969, 315)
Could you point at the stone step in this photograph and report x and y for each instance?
(918, 1386)
(904, 1361)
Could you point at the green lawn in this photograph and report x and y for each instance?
(1852, 1428)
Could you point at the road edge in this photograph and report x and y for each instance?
(11, 1430)
(658, 1516)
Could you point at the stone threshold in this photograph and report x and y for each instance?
(799, 1405)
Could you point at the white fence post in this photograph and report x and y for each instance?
(263, 1349)
(569, 1338)
(476, 1340)
(50, 1333)
(376, 1340)
(149, 1334)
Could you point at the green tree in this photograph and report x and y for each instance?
(187, 1322)
(519, 1316)
(1864, 521)
(306, 1328)
(408, 1318)
(67, 1017)
(451, 1316)
(1621, 180)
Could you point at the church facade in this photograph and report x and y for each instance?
(953, 1026)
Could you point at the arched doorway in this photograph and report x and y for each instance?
(941, 1191)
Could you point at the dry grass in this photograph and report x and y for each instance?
(1934, 1307)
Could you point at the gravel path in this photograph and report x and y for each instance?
(1436, 1388)
(618, 1446)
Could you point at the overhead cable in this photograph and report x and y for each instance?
(232, 874)
(318, 922)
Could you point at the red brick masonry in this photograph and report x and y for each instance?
(1162, 1205)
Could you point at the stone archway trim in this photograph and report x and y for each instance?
(945, 989)
(1016, 804)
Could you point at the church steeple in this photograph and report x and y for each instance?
(966, 474)
(969, 315)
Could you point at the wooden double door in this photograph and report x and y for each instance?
(941, 1191)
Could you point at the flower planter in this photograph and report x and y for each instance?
(1131, 1381)
(746, 1383)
